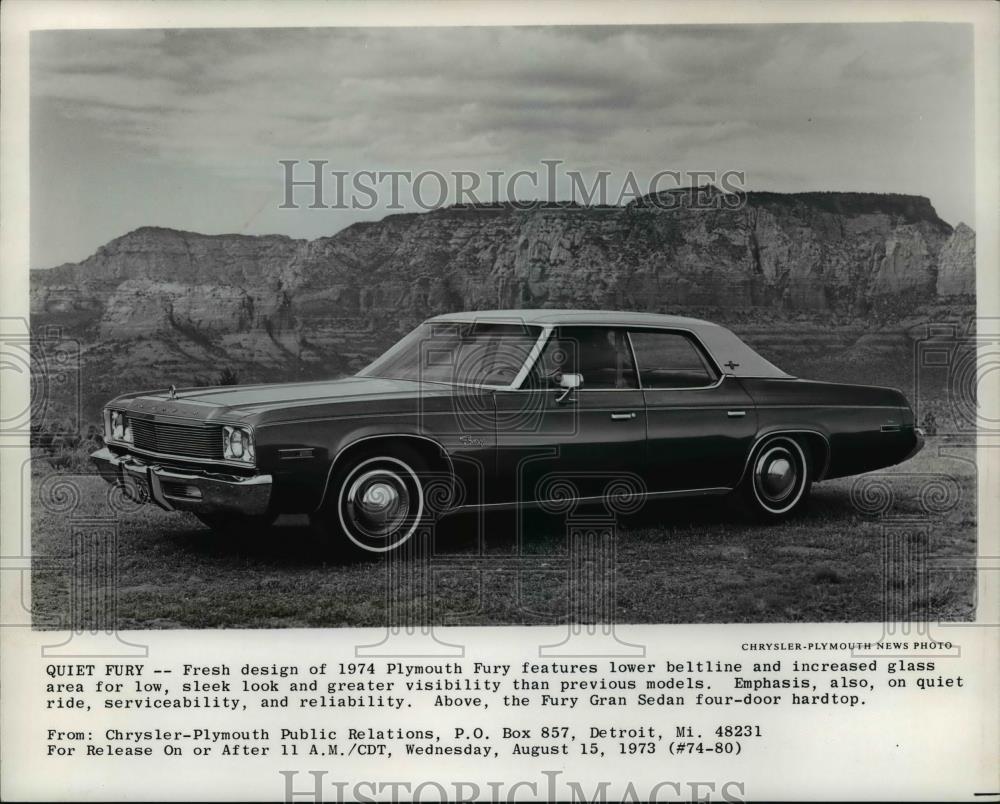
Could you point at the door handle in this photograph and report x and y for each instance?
(622, 416)
(735, 414)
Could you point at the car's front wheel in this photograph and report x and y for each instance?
(778, 477)
(375, 503)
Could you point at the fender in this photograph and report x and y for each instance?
(353, 439)
(779, 430)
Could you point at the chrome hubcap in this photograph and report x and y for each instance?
(779, 478)
(776, 474)
(379, 497)
(377, 503)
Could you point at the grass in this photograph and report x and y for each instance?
(677, 563)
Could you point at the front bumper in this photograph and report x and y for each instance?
(180, 490)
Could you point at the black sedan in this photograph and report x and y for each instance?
(504, 409)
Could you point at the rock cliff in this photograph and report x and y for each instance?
(957, 264)
(268, 303)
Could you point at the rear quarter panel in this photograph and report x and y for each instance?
(850, 417)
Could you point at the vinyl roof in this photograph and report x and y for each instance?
(731, 354)
(606, 317)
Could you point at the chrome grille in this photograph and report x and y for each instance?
(184, 440)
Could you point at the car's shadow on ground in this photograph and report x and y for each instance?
(291, 543)
(288, 543)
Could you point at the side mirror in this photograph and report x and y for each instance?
(569, 383)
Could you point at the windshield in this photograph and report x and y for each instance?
(459, 353)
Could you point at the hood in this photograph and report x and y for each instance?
(244, 401)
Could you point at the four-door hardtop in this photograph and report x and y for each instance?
(496, 407)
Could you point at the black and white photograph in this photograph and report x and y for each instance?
(489, 401)
(330, 293)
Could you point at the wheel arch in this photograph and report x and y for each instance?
(428, 448)
(816, 441)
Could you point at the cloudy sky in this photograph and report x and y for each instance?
(185, 128)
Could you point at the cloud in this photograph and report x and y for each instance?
(795, 101)
(193, 95)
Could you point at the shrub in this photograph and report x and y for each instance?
(228, 377)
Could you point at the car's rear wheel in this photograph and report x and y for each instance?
(375, 503)
(778, 477)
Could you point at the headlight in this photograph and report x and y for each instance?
(237, 444)
(119, 427)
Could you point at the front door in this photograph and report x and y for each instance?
(585, 443)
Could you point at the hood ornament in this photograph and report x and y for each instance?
(172, 392)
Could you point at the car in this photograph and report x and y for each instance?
(503, 409)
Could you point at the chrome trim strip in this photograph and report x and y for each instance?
(579, 390)
(396, 416)
(635, 360)
(296, 453)
(832, 407)
(181, 477)
(687, 407)
(182, 458)
(649, 495)
(529, 363)
(722, 379)
(343, 417)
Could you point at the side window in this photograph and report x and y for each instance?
(670, 360)
(601, 355)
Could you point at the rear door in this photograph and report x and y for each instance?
(700, 423)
